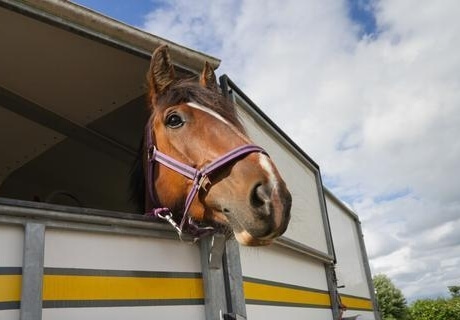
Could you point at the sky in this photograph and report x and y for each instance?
(369, 89)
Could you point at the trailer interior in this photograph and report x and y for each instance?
(72, 109)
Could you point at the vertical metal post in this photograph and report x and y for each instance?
(32, 271)
(325, 216)
(367, 270)
(234, 280)
(333, 292)
(213, 283)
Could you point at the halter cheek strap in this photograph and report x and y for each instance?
(200, 178)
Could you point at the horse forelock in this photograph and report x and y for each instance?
(185, 91)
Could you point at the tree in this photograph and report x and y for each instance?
(392, 304)
(454, 291)
(439, 309)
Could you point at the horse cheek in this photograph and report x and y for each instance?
(197, 210)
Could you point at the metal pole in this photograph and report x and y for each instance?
(32, 271)
(213, 282)
(234, 280)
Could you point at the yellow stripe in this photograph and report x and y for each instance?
(71, 287)
(273, 293)
(356, 303)
(10, 288)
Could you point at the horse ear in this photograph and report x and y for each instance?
(208, 77)
(161, 73)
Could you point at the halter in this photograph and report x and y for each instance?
(200, 178)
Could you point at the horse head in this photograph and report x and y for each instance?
(191, 125)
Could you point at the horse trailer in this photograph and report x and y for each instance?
(73, 245)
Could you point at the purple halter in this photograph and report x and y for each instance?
(199, 177)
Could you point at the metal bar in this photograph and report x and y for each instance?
(32, 271)
(109, 229)
(213, 283)
(367, 270)
(233, 276)
(304, 249)
(113, 229)
(217, 251)
(83, 219)
(53, 121)
(8, 210)
(333, 292)
(325, 216)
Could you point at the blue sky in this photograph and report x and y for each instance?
(130, 12)
(134, 12)
(362, 12)
(374, 88)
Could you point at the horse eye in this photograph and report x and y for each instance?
(174, 121)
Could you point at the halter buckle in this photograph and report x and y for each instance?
(204, 182)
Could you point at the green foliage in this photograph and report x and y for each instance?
(392, 304)
(454, 291)
(439, 309)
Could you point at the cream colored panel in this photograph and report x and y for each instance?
(255, 312)
(9, 314)
(11, 245)
(363, 315)
(275, 263)
(350, 268)
(75, 249)
(11, 255)
(138, 313)
(306, 224)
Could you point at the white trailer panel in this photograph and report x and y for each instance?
(11, 245)
(278, 281)
(11, 255)
(352, 269)
(279, 264)
(272, 312)
(307, 226)
(91, 250)
(139, 313)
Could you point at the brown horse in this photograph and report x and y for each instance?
(192, 128)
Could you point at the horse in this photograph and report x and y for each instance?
(201, 172)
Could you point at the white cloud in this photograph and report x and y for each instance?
(380, 114)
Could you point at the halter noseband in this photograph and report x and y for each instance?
(200, 179)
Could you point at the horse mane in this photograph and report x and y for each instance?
(179, 92)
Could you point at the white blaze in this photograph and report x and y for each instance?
(267, 165)
(219, 117)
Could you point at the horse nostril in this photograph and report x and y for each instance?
(260, 195)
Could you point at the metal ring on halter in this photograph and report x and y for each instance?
(168, 217)
(151, 153)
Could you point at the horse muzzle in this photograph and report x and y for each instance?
(270, 207)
